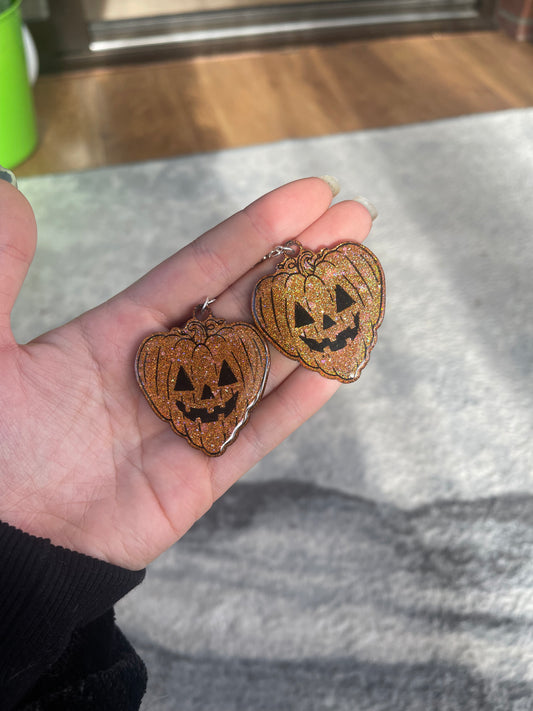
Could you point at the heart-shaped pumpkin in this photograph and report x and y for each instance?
(323, 308)
(204, 379)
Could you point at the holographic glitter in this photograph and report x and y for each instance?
(204, 379)
(323, 308)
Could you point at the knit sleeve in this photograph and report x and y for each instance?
(56, 623)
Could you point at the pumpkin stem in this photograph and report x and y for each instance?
(197, 330)
(306, 262)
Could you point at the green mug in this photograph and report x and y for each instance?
(18, 128)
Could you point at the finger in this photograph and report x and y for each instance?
(345, 221)
(286, 408)
(210, 264)
(18, 236)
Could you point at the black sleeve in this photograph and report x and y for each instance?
(59, 646)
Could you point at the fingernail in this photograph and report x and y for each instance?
(369, 206)
(332, 182)
(8, 176)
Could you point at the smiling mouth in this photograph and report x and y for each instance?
(203, 414)
(336, 345)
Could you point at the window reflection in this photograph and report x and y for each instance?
(98, 10)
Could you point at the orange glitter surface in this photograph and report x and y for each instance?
(204, 379)
(323, 308)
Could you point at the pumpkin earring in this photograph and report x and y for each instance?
(205, 378)
(323, 308)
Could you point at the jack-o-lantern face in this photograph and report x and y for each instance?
(323, 308)
(204, 379)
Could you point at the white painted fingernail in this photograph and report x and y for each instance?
(332, 182)
(8, 176)
(369, 206)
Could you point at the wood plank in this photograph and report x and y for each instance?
(100, 117)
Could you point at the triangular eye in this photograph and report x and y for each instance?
(183, 382)
(226, 376)
(301, 317)
(342, 298)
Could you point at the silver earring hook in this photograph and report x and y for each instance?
(288, 248)
(207, 303)
(202, 311)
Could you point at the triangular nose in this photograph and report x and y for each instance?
(207, 393)
(327, 322)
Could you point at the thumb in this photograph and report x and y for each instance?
(18, 237)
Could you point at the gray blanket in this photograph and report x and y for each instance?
(382, 558)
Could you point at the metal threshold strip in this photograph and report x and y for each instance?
(271, 29)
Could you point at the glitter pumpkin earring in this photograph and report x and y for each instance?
(205, 378)
(323, 308)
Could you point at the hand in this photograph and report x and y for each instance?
(84, 461)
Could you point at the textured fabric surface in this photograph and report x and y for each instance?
(99, 671)
(381, 558)
(58, 641)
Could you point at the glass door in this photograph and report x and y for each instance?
(75, 33)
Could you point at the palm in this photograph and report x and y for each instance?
(110, 473)
(85, 460)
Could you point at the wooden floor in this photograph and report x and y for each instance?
(130, 113)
